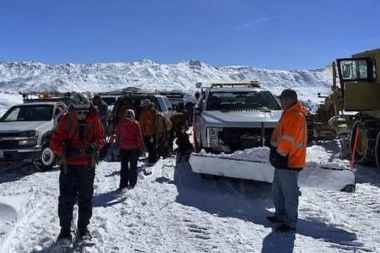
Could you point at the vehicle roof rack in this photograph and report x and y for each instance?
(232, 84)
(172, 94)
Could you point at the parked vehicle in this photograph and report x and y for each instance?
(25, 131)
(234, 116)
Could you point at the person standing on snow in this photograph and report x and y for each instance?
(131, 146)
(76, 140)
(148, 128)
(102, 107)
(288, 155)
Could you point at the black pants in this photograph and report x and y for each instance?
(77, 184)
(128, 171)
(151, 147)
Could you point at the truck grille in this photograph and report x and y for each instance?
(242, 138)
(2, 135)
(8, 144)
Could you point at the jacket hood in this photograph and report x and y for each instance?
(298, 107)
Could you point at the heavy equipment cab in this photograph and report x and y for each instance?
(360, 89)
(359, 81)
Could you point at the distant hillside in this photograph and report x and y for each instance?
(35, 76)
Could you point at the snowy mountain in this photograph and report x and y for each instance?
(35, 76)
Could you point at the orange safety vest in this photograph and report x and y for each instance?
(290, 136)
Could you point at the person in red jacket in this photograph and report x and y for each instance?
(76, 140)
(287, 156)
(131, 146)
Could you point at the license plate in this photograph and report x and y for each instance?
(1, 154)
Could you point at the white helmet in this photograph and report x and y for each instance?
(130, 114)
(81, 102)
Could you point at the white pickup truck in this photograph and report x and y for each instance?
(25, 131)
(234, 116)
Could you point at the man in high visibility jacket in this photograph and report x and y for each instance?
(287, 155)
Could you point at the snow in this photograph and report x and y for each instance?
(176, 210)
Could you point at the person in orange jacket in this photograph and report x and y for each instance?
(76, 140)
(131, 146)
(288, 155)
(148, 128)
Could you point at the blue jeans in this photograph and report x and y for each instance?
(285, 195)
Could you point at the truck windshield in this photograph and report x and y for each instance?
(254, 100)
(30, 112)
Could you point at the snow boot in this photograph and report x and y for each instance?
(274, 219)
(285, 229)
(64, 239)
(83, 235)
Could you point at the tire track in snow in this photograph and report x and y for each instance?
(348, 206)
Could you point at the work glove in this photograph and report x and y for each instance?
(90, 149)
(61, 161)
(277, 160)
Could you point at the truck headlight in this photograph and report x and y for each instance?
(28, 142)
(32, 133)
(213, 136)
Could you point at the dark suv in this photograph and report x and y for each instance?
(133, 96)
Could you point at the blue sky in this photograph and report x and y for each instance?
(274, 34)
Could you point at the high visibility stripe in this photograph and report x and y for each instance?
(275, 143)
(280, 137)
(288, 138)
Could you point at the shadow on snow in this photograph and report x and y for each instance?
(249, 201)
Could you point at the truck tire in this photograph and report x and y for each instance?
(47, 159)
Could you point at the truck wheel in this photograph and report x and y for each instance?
(47, 159)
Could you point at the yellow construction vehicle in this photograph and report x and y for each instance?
(330, 119)
(360, 90)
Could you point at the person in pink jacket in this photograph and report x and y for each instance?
(131, 146)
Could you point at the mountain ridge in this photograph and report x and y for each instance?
(97, 77)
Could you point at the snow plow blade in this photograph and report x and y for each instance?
(231, 167)
(322, 176)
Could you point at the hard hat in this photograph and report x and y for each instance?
(81, 102)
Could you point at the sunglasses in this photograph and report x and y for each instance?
(81, 112)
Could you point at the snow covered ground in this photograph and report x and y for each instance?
(176, 210)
